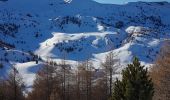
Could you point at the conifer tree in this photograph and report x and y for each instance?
(135, 85)
(1, 65)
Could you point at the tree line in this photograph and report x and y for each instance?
(58, 81)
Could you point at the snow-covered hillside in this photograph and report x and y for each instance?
(79, 30)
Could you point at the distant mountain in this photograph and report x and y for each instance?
(79, 30)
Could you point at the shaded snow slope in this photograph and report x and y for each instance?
(80, 30)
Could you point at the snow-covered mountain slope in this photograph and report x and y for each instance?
(79, 30)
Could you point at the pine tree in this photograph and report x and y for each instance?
(135, 84)
(1, 66)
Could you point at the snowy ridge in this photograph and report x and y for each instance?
(81, 31)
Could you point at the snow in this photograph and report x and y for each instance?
(137, 30)
(68, 1)
(81, 30)
(100, 27)
(28, 71)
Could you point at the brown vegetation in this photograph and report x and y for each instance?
(12, 88)
(161, 74)
(60, 82)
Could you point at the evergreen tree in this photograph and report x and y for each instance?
(1, 66)
(135, 84)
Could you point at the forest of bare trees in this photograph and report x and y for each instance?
(13, 87)
(160, 74)
(59, 81)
